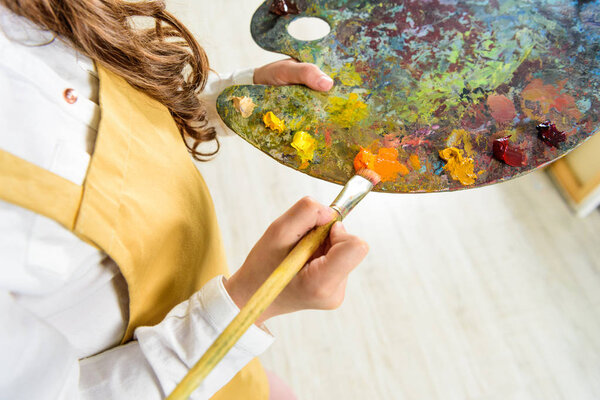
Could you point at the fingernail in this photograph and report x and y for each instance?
(339, 226)
(325, 82)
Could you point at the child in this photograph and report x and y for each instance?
(112, 269)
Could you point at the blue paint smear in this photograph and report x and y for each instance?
(438, 167)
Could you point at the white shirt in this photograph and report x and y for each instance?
(63, 303)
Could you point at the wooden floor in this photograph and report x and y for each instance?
(484, 294)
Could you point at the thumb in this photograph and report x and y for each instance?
(309, 75)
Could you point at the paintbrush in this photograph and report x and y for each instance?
(353, 192)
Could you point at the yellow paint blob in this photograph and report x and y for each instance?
(348, 76)
(244, 105)
(305, 144)
(347, 112)
(459, 167)
(272, 122)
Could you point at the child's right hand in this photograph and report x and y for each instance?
(321, 283)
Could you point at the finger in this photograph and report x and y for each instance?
(328, 298)
(322, 250)
(346, 252)
(307, 74)
(307, 213)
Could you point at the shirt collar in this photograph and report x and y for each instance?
(19, 29)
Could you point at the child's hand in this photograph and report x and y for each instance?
(321, 283)
(291, 72)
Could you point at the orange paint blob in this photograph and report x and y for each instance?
(459, 167)
(402, 169)
(385, 163)
(501, 108)
(415, 162)
(363, 159)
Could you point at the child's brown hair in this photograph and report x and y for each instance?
(164, 61)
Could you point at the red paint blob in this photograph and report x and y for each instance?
(550, 135)
(509, 153)
(283, 7)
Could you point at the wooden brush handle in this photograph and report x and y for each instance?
(258, 303)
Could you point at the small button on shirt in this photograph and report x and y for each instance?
(70, 95)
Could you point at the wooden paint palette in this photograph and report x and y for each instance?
(421, 76)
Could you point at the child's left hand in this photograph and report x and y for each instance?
(291, 72)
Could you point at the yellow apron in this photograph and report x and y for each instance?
(145, 204)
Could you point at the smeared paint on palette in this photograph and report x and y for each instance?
(419, 77)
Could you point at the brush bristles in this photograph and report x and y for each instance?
(369, 175)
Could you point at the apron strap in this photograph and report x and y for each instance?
(38, 190)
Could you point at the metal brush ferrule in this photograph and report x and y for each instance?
(352, 193)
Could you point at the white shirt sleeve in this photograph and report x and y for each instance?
(165, 352)
(215, 84)
(38, 362)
